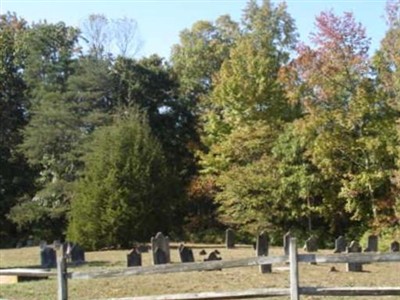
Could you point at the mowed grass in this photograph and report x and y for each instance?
(382, 274)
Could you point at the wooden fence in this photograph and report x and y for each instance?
(294, 291)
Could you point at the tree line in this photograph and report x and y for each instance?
(244, 126)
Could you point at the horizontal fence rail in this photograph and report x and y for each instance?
(27, 272)
(247, 294)
(186, 267)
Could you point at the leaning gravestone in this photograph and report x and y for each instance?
(354, 247)
(134, 258)
(262, 246)
(286, 242)
(372, 244)
(159, 244)
(340, 245)
(395, 246)
(229, 239)
(48, 257)
(185, 254)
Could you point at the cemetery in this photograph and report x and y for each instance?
(178, 270)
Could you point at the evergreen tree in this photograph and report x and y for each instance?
(126, 192)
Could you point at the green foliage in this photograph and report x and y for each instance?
(244, 114)
(127, 192)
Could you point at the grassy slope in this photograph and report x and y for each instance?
(384, 274)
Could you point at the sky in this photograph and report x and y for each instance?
(161, 21)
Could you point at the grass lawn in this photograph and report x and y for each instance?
(382, 274)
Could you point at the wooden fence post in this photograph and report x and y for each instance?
(294, 271)
(62, 278)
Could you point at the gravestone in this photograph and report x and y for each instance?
(134, 258)
(160, 243)
(311, 244)
(286, 242)
(340, 245)
(74, 253)
(372, 244)
(77, 254)
(48, 258)
(262, 246)
(395, 246)
(185, 254)
(229, 239)
(354, 247)
(213, 256)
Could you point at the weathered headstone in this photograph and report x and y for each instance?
(395, 246)
(48, 258)
(160, 243)
(354, 247)
(134, 258)
(286, 242)
(340, 245)
(372, 244)
(311, 244)
(229, 239)
(185, 254)
(262, 247)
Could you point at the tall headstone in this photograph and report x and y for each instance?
(48, 258)
(286, 242)
(185, 254)
(340, 245)
(372, 244)
(159, 244)
(262, 247)
(354, 247)
(229, 239)
(395, 246)
(134, 258)
(311, 244)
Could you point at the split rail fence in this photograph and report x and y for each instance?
(294, 291)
